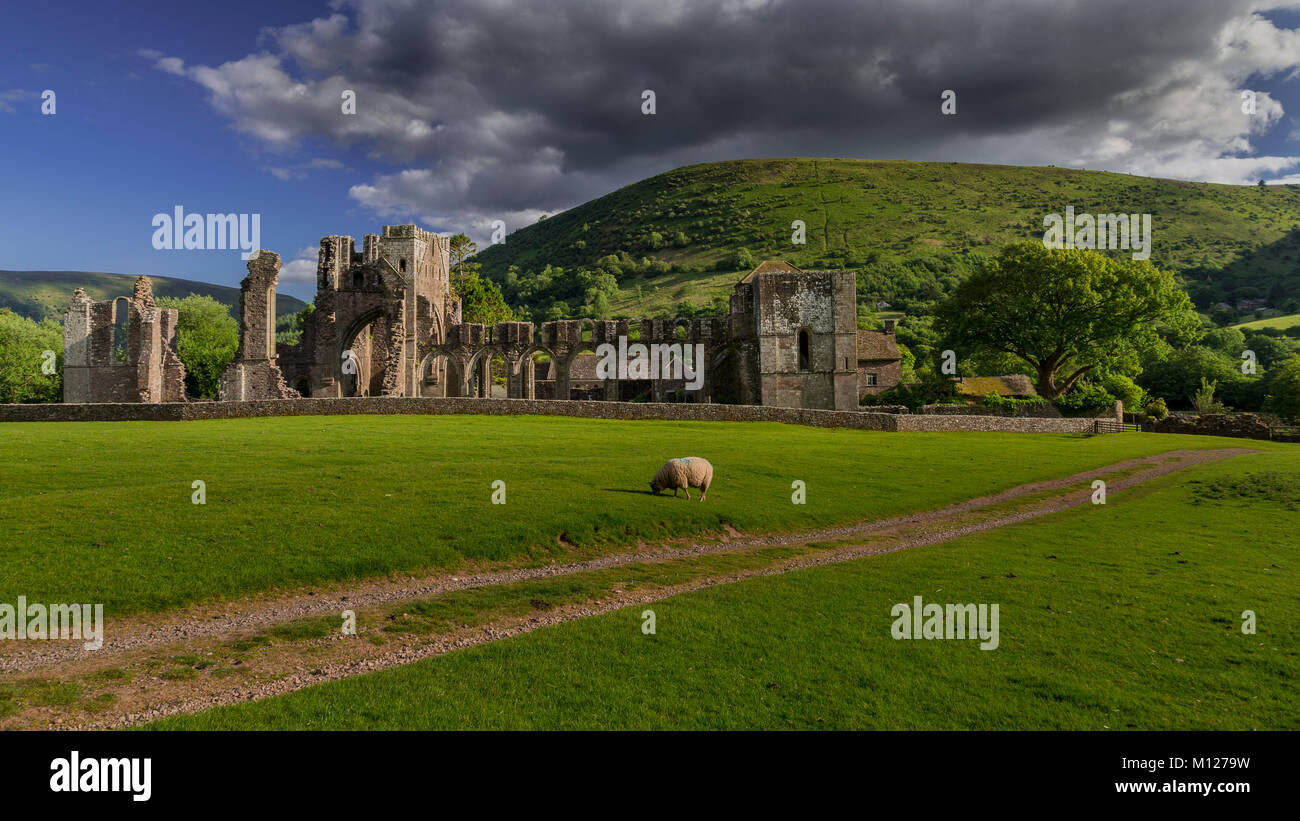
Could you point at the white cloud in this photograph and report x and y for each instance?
(8, 98)
(302, 269)
(505, 110)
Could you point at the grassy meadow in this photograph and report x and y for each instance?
(103, 512)
(1280, 322)
(910, 228)
(1122, 616)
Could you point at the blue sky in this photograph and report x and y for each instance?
(518, 109)
(128, 142)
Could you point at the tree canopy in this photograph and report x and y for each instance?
(206, 339)
(23, 346)
(1066, 312)
(480, 299)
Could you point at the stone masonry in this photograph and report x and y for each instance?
(387, 323)
(121, 350)
(254, 374)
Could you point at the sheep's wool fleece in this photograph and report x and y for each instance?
(690, 471)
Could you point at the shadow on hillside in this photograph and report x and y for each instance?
(1270, 272)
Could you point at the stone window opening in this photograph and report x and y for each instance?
(358, 281)
(870, 380)
(270, 322)
(121, 314)
(803, 350)
(401, 265)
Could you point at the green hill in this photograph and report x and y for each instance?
(41, 294)
(910, 229)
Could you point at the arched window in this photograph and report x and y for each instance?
(401, 265)
(358, 281)
(803, 350)
(121, 316)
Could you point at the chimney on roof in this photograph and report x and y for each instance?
(889, 326)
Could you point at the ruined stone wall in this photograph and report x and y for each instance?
(390, 298)
(121, 350)
(1239, 425)
(254, 373)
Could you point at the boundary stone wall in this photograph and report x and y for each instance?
(1045, 412)
(1240, 425)
(176, 412)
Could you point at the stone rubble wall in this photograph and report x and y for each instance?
(175, 411)
(1239, 425)
(1045, 412)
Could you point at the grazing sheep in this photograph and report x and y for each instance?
(684, 473)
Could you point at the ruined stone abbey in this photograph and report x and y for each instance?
(386, 322)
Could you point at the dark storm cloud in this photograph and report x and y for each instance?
(510, 109)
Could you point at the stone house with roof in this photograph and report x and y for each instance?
(879, 363)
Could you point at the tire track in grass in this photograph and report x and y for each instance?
(236, 618)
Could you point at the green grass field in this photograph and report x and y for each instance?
(1282, 322)
(102, 512)
(1123, 616)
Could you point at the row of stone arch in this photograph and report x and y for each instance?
(502, 360)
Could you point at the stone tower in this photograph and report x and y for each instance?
(797, 336)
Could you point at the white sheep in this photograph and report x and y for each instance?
(684, 473)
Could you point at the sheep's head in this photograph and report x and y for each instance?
(654, 488)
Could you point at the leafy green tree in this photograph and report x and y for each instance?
(866, 316)
(1269, 350)
(1178, 376)
(289, 328)
(206, 339)
(1203, 398)
(1229, 340)
(1066, 312)
(480, 299)
(1284, 394)
(600, 306)
(1125, 390)
(23, 343)
(1085, 398)
(462, 248)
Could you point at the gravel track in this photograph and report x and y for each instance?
(243, 617)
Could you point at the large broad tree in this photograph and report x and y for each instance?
(1067, 312)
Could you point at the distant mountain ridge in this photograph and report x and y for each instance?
(47, 294)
